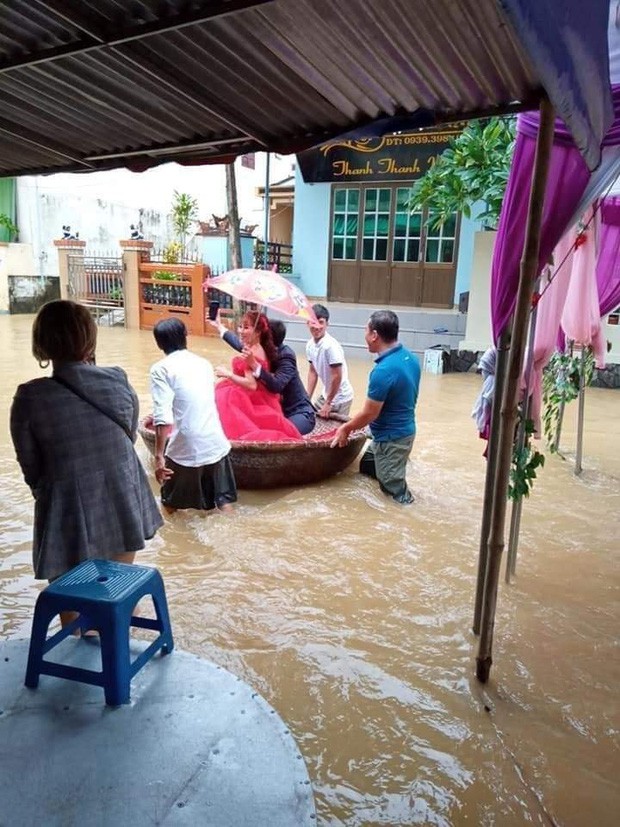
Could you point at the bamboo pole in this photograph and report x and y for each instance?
(558, 433)
(526, 407)
(489, 480)
(528, 274)
(581, 413)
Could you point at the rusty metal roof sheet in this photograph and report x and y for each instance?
(94, 85)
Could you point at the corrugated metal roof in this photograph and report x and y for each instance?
(87, 85)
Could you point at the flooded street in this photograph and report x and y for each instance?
(352, 615)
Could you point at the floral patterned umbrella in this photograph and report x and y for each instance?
(264, 287)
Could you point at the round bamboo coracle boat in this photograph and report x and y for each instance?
(284, 464)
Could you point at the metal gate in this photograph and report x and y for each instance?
(97, 282)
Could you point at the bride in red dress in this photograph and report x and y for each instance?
(248, 411)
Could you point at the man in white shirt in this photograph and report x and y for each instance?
(194, 468)
(327, 363)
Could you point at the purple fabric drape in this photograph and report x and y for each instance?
(608, 262)
(567, 180)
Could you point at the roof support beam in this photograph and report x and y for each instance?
(25, 135)
(136, 31)
(168, 149)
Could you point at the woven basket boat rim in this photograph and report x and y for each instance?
(307, 443)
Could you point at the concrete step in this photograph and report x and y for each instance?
(410, 318)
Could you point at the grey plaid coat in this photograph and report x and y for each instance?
(92, 497)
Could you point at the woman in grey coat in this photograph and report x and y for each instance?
(73, 434)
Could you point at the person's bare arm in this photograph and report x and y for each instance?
(368, 414)
(247, 381)
(335, 380)
(313, 378)
(162, 432)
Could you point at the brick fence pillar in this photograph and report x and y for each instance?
(67, 247)
(134, 252)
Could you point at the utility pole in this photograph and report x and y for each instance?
(234, 236)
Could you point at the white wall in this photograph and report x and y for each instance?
(478, 334)
(15, 260)
(102, 205)
(612, 334)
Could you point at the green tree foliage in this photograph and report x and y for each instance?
(473, 169)
(525, 462)
(561, 382)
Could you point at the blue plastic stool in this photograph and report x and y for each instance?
(104, 593)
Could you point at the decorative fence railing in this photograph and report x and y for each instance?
(173, 290)
(96, 280)
(279, 256)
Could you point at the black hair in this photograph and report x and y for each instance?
(385, 324)
(321, 312)
(170, 335)
(278, 331)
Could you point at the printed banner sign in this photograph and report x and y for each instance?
(405, 155)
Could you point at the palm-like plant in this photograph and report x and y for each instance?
(184, 214)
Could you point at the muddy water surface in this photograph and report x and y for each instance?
(352, 615)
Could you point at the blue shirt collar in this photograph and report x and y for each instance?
(385, 353)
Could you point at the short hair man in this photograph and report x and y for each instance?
(327, 363)
(285, 379)
(389, 408)
(194, 468)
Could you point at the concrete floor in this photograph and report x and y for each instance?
(196, 746)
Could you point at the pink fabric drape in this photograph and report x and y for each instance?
(548, 315)
(581, 319)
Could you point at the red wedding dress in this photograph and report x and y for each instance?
(252, 416)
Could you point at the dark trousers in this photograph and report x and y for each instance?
(304, 421)
(387, 463)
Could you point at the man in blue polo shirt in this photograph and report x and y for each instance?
(389, 408)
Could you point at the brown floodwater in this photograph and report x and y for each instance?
(352, 615)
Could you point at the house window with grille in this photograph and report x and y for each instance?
(376, 224)
(440, 242)
(346, 224)
(407, 229)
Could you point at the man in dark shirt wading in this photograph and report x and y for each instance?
(389, 408)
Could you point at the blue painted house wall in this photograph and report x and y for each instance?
(311, 240)
(311, 236)
(214, 249)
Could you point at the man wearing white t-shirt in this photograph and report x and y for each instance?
(327, 363)
(194, 468)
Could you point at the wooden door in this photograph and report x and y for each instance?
(406, 246)
(440, 246)
(343, 278)
(376, 218)
(382, 254)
